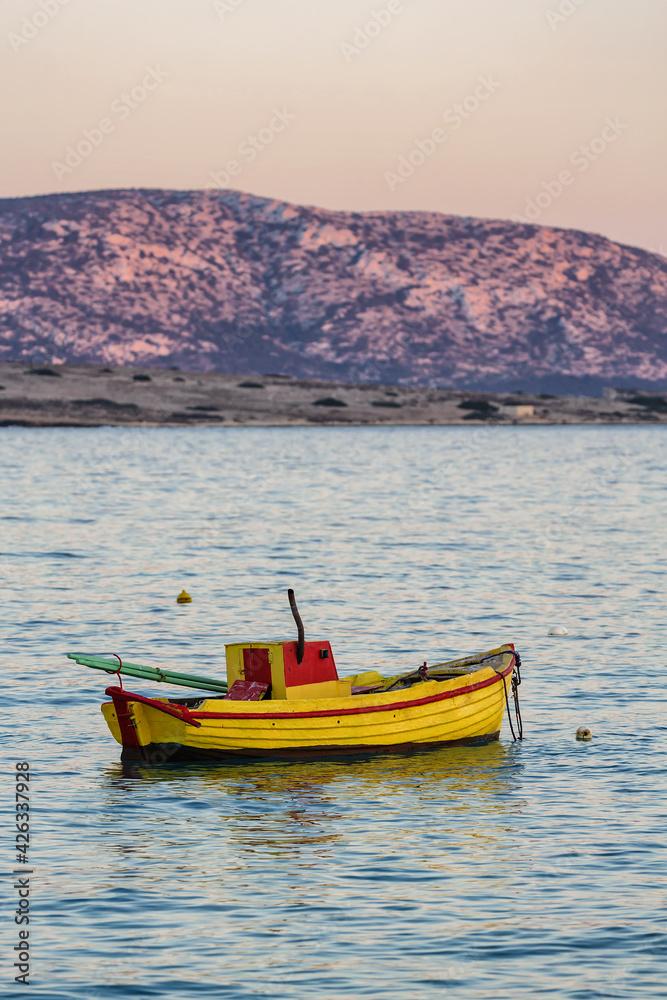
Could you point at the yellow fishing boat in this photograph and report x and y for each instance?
(284, 699)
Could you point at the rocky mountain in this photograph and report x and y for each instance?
(219, 280)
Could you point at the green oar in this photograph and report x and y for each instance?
(148, 673)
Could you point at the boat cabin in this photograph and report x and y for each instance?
(272, 670)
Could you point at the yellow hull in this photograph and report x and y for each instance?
(465, 707)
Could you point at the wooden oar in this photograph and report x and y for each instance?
(148, 673)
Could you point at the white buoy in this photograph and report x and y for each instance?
(584, 733)
(558, 630)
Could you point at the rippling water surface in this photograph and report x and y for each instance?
(506, 871)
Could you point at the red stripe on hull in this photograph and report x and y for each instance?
(323, 713)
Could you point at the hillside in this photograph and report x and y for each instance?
(218, 280)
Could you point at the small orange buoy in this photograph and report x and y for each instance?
(184, 598)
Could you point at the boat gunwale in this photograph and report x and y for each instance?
(361, 709)
(241, 712)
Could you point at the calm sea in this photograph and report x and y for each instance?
(507, 871)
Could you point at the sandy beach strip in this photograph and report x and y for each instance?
(104, 396)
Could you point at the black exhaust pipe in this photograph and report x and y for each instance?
(299, 626)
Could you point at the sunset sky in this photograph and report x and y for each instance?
(545, 109)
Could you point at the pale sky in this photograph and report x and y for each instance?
(320, 102)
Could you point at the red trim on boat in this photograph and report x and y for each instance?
(125, 721)
(121, 698)
(178, 711)
(454, 693)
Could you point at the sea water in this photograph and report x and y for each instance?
(513, 870)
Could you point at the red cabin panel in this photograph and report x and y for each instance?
(317, 664)
(256, 666)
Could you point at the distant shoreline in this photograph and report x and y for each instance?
(110, 396)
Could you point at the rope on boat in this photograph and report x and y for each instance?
(118, 672)
(412, 678)
(509, 714)
(516, 680)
